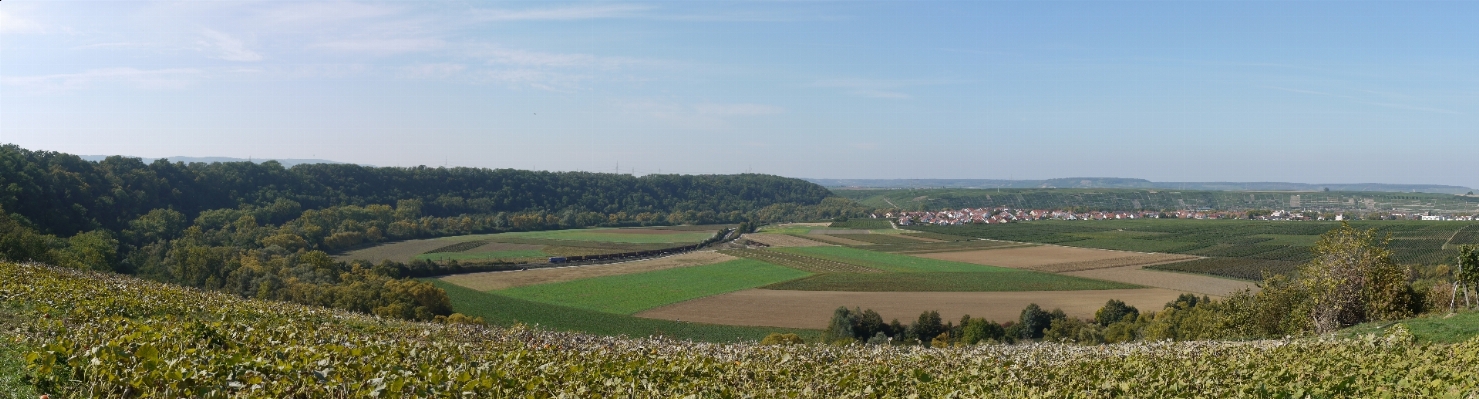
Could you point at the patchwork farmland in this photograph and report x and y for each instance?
(750, 282)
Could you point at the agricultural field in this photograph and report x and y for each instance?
(783, 240)
(631, 293)
(486, 281)
(887, 261)
(800, 262)
(981, 281)
(1270, 245)
(535, 246)
(507, 311)
(110, 335)
(1238, 268)
(881, 238)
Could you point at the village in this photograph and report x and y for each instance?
(1000, 215)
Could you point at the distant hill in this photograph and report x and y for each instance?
(1114, 182)
(286, 162)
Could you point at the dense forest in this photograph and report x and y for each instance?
(265, 231)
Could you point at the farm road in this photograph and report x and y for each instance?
(812, 309)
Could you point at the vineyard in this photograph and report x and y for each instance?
(1236, 248)
(86, 334)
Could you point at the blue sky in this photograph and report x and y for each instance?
(1317, 92)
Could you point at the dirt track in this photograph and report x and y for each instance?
(812, 309)
(500, 280)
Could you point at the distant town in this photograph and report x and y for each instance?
(1000, 215)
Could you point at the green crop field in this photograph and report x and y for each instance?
(465, 256)
(864, 224)
(1419, 243)
(1011, 280)
(506, 311)
(632, 293)
(890, 262)
(612, 235)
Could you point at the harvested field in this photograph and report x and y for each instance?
(812, 309)
(1187, 282)
(782, 240)
(1133, 260)
(402, 251)
(500, 280)
(833, 239)
(1027, 257)
(800, 262)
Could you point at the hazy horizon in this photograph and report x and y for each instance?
(1336, 92)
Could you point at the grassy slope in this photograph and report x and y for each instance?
(12, 369)
(502, 310)
(891, 262)
(1432, 328)
(632, 293)
(946, 282)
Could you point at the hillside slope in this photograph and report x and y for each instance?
(106, 335)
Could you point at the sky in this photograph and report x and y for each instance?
(1298, 91)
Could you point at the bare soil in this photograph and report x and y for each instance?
(782, 240)
(1027, 257)
(1197, 283)
(499, 280)
(812, 309)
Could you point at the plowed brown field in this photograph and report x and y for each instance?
(812, 309)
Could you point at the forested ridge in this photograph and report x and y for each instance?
(265, 231)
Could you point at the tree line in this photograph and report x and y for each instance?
(264, 231)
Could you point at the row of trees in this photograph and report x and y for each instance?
(63, 194)
(264, 231)
(1351, 280)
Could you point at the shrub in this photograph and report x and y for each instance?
(782, 339)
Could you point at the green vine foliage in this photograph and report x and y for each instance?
(93, 334)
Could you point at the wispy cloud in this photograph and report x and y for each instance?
(736, 109)
(12, 23)
(318, 13)
(382, 46)
(561, 13)
(152, 79)
(226, 47)
(876, 88)
(439, 70)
